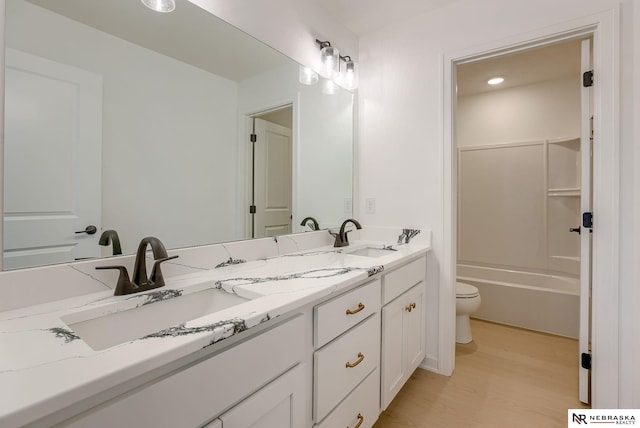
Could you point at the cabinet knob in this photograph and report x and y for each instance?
(360, 421)
(410, 307)
(358, 361)
(355, 311)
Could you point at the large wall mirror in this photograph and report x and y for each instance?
(125, 119)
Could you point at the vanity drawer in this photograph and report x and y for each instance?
(400, 280)
(340, 314)
(341, 365)
(363, 404)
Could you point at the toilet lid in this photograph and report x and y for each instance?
(466, 290)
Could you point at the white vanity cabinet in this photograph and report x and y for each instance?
(194, 395)
(346, 381)
(281, 404)
(403, 326)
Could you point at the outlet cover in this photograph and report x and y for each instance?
(370, 204)
(348, 205)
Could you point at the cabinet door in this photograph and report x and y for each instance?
(393, 359)
(414, 328)
(281, 404)
(403, 340)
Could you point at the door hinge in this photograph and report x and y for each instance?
(254, 138)
(585, 361)
(587, 220)
(252, 209)
(587, 78)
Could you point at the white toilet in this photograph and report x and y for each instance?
(467, 302)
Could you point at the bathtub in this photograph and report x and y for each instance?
(541, 302)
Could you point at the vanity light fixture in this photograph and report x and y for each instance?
(495, 80)
(329, 60)
(348, 78)
(307, 76)
(160, 5)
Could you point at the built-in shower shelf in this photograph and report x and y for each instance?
(563, 192)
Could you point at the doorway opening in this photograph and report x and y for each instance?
(523, 162)
(271, 172)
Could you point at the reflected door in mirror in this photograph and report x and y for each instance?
(52, 161)
(272, 179)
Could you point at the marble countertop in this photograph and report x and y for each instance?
(45, 366)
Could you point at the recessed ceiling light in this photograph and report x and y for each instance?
(160, 5)
(495, 80)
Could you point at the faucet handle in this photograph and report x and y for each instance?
(156, 274)
(124, 285)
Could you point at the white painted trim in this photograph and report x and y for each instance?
(606, 188)
(2, 53)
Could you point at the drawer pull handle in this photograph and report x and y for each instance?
(360, 421)
(358, 361)
(410, 307)
(355, 311)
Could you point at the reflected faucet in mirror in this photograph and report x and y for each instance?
(342, 240)
(314, 223)
(140, 281)
(111, 237)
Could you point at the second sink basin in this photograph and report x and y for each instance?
(370, 252)
(104, 330)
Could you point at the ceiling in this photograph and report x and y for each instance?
(364, 16)
(188, 34)
(523, 68)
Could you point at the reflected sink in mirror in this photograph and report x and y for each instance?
(371, 252)
(112, 325)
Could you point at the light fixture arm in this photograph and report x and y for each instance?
(323, 44)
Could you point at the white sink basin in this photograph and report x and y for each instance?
(370, 252)
(111, 325)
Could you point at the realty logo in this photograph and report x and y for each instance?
(580, 418)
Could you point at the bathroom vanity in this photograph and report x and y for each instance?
(320, 337)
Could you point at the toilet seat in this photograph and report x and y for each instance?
(466, 291)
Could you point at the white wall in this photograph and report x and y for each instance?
(544, 110)
(290, 26)
(169, 131)
(400, 123)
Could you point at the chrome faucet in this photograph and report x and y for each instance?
(140, 281)
(406, 235)
(314, 224)
(111, 237)
(342, 240)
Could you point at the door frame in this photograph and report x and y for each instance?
(606, 190)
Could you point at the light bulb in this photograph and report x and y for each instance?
(329, 58)
(350, 75)
(160, 5)
(495, 80)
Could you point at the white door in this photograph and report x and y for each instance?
(272, 179)
(585, 235)
(52, 158)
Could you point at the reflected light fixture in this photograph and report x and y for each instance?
(329, 60)
(329, 87)
(307, 76)
(160, 5)
(495, 80)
